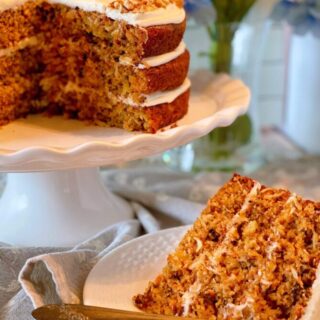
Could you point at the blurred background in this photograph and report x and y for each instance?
(274, 47)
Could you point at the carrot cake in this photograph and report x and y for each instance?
(119, 63)
(253, 254)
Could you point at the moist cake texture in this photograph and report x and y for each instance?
(253, 254)
(114, 63)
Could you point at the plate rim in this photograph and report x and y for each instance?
(184, 228)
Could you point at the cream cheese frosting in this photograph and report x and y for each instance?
(157, 61)
(164, 58)
(159, 97)
(169, 15)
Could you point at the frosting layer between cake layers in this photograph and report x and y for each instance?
(159, 97)
(169, 15)
(157, 61)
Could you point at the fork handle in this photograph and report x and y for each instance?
(80, 312)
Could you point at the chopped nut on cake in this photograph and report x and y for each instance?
(143, 5)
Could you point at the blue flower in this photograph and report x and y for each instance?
(302, 15)
(192, 6)
(201, 10)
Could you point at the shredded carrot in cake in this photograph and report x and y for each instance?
(252, 254)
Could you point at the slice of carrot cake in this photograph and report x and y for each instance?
(118, 63)
(253, 254)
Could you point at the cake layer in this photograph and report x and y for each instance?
(38, 16)
(146, 119)
(162, 39)
(253, 254)
(165, 77)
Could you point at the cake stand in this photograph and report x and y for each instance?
(54, 195)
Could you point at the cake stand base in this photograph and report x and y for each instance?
(57, 209)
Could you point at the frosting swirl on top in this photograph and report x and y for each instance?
(170, 14)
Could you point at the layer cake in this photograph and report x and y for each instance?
(253, 254)
(118, 63)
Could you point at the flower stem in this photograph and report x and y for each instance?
(226, 140)
(221, 51)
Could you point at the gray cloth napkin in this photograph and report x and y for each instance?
(31, 277)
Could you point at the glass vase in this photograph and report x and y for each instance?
(234, 48)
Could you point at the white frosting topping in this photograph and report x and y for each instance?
(169, 15)
(161, 16)
(160, 97)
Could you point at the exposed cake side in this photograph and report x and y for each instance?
(89, 66)
(253, 254)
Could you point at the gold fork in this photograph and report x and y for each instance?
(80, 312)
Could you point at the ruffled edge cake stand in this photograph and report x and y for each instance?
(54, 195)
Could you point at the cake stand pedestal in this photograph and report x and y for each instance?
(59, 208)
(53, 199)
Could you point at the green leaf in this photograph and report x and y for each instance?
(229, 11)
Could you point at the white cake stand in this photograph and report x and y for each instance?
(54, 195)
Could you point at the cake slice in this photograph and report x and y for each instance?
(253, 254)
(119, 63)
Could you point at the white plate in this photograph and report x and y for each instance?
(38, 143)
(127, 270)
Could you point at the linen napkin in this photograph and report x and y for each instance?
(30, 277)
